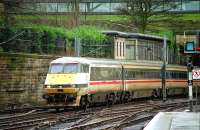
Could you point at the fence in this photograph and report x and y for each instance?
(102, 50)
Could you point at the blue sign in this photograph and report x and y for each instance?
(189, 47)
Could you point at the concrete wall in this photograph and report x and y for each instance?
(21, 78)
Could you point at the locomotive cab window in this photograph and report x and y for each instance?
(68, 68)
(71, 68)
(76, 68)
(56, 68)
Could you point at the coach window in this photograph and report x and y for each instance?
(175, 75)
(185, 75)
(132, 74)
(181, 75)
(116, 74)
(158, 73)
(126, 74)
(145, 74)
(104, 73)
(139, 74)
(95, 73)
(169, 76)
(111, 73)
(84, 68)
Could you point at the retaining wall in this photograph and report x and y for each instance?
(22, 77)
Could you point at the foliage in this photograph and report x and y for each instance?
(86, 33)
(6, 33)
(44, 39)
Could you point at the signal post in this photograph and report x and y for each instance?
(190, 49)
(190, 82)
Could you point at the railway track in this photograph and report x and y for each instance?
(27, 120)
(117, 119)
(114, 117)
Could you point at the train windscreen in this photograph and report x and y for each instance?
(71, 68)
(56, 68)
(68, 68)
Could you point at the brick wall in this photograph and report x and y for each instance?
(22, 77)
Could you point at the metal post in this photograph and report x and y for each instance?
(190, 82)
(164, 69)
(77, 47)
(196, 95)
(190, 90)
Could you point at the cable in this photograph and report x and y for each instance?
(12, 38)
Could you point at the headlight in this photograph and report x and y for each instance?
(47, 86)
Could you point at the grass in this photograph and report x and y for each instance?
(168, 24)
(107, 17)
(189, 16)
(68, 17)
(193, 17)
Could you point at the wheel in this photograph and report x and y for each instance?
(84, 102)
(111, 99)
(126, 97)
(154, 94)
(57, 110)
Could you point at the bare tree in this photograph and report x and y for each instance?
(5, 12)
(76, 13)
(141, 11)
(8, 8)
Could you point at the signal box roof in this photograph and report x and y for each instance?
(132, 35)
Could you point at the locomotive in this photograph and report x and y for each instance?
(78, 81)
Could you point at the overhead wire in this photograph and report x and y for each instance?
(12, 38)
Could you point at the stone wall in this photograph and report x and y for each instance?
(22, 77)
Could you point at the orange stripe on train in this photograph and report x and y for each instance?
(132, 81)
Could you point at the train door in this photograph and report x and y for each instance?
(123, 87)
(126, 91)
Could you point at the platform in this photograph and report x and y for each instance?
(175, 121)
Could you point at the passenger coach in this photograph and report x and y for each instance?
(77, 81)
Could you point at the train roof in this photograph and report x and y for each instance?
(86, 60)
(99, 61)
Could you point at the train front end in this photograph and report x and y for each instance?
(66, 81)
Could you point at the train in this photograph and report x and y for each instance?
(80, 81)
